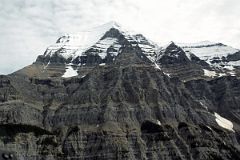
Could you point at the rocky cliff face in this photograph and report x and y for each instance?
(121, 99)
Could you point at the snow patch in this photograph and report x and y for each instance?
(157, 66)
(209, 73)
(204, 105)
(221, 74)
(229, 67)
(104, 44)
(46, 65)
(102, 64)
(188, 55)
(167, 74)
(209, 127)
(232, 73)
(70, 72)
(223, 122)
(159, 123)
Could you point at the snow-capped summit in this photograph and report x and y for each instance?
(98, 46)
(207, 50)
(172, 49)
(217, 55)
(95, 46)
(71, 45)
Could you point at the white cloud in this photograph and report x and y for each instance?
(27, 27)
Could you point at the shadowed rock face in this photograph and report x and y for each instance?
(118, 111)
(127, 108)
(8, 92)
(221, 95)
(175, 62)
(234, 57)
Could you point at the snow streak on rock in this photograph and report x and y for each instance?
(209, 73)
(223, 122)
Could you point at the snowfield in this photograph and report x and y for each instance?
(223, 122)
(206, 49)
(70, 72)
(209, 73)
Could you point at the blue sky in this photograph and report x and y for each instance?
(28, 27)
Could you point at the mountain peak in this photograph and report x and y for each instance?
(106, 27)
(112, 24)
(70, 45)
(171, 44)
(95, 31)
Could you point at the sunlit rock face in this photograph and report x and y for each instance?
(120, 96)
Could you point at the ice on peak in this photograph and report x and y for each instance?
(198, 44)
(73, 45)
(208, 49)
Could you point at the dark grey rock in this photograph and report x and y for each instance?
(126, 109)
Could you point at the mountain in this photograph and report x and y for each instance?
(79, 53)
(175, 62)
(217, 55)
(209, 50)
(110, 94)
(203, 60)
